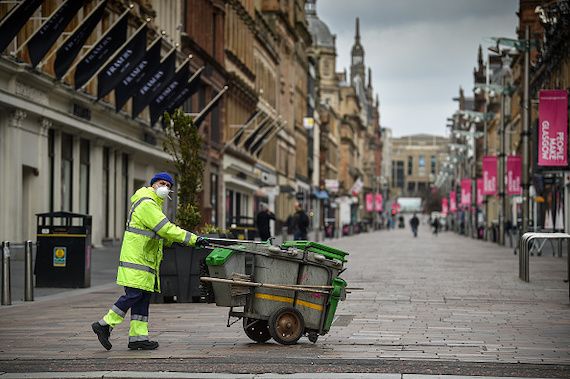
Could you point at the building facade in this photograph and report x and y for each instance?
(416, 160)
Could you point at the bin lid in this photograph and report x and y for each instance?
(218, 256)
(315, 247)
(62, 214)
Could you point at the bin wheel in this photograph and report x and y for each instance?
(313, 336)
(286, 325)
(256, 330)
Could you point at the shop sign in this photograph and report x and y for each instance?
(331, 185)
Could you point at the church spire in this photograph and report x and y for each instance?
(369, 77)
(357, 34)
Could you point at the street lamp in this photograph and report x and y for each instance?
(524, 46)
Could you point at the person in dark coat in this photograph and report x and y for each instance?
(262, 222)
(300, 223)
(414, 223)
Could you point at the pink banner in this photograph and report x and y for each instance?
(378, 202)
(553, 128)
(369, 202)
(466, 192)
(514, 173)
(480, 196)
(452, 202)
(489, 175)
(444, 206)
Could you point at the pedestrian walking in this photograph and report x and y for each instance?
(146, 231)
(435, 225)
(262, 222)
(300, 223)
(414, 223)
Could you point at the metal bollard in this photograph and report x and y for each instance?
(6, 289)
(29, 274)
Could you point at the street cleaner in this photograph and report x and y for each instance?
(146, 231)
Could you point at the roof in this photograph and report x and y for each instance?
(320, 32)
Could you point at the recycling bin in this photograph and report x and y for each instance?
(63, 257)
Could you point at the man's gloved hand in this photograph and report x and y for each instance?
(202, 242)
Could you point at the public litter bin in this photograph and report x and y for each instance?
(63, 257)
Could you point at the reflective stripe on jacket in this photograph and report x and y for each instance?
(141, 252)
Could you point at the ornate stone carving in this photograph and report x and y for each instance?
(31, 93)
(17, 116)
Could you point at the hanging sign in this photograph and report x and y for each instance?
(480, 196)
(444, 206)
(489, 175)
(514, 173)
(465, 192)
(553, 128)
(378, 203)
(452, 202)
(369, 202)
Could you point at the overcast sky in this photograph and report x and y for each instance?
(420, 52)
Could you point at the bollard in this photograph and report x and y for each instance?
(29, 274)
(6, 290)
(284, 234)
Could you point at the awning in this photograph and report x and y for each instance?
(321, 194)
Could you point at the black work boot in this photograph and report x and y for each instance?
(103, 333)
(143, 345)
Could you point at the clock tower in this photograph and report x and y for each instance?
(357, 57)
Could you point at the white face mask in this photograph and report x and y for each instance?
(163, 192)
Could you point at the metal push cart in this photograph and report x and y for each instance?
(286, 291)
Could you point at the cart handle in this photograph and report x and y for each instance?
(221, 240)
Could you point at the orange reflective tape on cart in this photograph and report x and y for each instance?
(288, 300)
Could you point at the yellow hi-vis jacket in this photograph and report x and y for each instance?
(146, 230)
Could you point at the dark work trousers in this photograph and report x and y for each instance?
(136, 300)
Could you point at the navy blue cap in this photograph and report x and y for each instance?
(162, 176)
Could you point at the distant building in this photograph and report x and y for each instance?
(416, 160)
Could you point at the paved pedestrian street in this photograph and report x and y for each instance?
(444, 304)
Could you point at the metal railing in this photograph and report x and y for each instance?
(6, 271)
(526, 243)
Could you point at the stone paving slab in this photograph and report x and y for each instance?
(447, 299)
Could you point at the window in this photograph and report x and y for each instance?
(410, 165)
(411, 188)
(398, 176)
(84, 150)
(66, 172)
(433, 164)
(421, 164)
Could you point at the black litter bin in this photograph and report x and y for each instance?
(63, 257)
(180, 273)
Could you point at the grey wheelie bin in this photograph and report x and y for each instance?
(286, 291)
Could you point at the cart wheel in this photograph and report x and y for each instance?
(256, 330)
(286, 325)
(313, 336)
